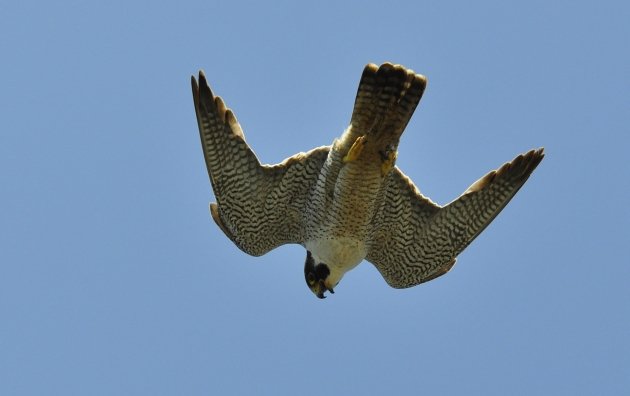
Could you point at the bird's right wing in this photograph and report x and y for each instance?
(415, 241)
(259, 207)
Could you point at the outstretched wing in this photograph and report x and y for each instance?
(415, 240)
(259, 207)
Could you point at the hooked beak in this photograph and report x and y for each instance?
(322, 289)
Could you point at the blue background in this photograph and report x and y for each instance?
(114, 279)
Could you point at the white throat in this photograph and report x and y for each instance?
(341, 254)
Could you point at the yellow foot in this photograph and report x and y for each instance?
(388, 162)
(355, 150)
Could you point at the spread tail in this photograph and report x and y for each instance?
(386, 99)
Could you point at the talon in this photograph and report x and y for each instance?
(355, 150)
(388, 162)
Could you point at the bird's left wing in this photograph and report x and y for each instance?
(415, 240)
(259, 207)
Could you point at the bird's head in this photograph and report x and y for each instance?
(318, 276)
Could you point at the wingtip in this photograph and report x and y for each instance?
(202, 90)
(520, 168)
(201, 74)
(524, 164)
(195, 91)
(203, 83)
(533, 158)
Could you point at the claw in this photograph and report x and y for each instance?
(355, 150)
(388, 162)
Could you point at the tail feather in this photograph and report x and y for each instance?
(385, 101)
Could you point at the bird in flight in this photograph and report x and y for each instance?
(348, 201)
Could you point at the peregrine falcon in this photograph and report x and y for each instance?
(348, 201)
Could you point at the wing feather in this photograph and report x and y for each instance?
(419, 242)
(259, 207)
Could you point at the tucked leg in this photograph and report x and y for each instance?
(355, 150)
(389, 159)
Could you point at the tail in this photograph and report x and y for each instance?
(386, 99)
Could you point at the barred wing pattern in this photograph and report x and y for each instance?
(416, 241)
(259, 207)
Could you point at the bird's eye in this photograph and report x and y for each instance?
(310, 278)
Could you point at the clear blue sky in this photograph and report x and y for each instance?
(115, 281)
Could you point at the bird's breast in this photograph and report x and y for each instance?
(354, 199)
(343, 200)
(341, 253)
